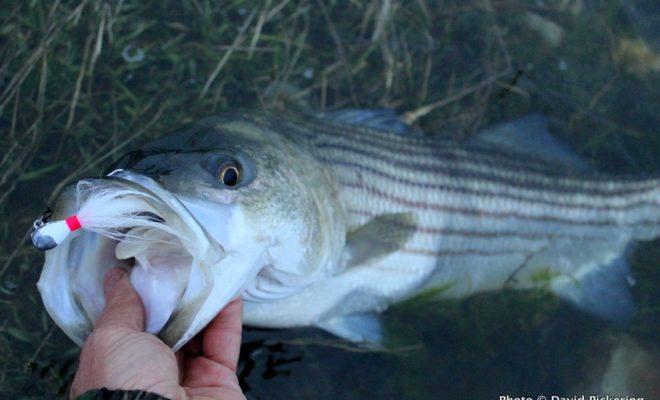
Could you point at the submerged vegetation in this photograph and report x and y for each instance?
(81, 81)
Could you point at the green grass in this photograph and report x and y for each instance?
(70, 103)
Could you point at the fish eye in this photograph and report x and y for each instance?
(228, 171)
(229, 175)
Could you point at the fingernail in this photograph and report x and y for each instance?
(112, 277)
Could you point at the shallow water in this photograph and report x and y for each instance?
(592, 67)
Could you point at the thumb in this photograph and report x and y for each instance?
(123, 308)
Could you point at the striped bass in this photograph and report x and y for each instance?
(322, 222)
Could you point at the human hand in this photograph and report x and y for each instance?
(118, 354)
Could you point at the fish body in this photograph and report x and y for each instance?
(328, 222)
(485, 219)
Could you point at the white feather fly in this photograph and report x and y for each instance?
(131, 217)
(115, 212)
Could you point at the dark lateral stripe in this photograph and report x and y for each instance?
(433, 148)
(501, 194)
(517, 180)
(420, 205)
(462, 252)
(472, 233)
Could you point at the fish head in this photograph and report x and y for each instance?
(240, 210)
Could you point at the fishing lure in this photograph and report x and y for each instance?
(47, 235)
(105, 209)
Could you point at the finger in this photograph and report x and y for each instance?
(222, 339)
(224, 393)
(123, 308)
(203, 372)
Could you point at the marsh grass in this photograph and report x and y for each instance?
(74, 92)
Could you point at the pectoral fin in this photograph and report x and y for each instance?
(362, 328)
(378, 238)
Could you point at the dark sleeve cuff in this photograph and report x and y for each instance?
(105, 394)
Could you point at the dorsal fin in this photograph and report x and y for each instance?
(383, 119)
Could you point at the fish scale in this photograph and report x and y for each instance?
(471, 200)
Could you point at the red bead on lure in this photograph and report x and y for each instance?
(48, 235)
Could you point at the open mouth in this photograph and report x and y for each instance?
(131, 222)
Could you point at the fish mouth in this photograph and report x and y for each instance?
(169, 254)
